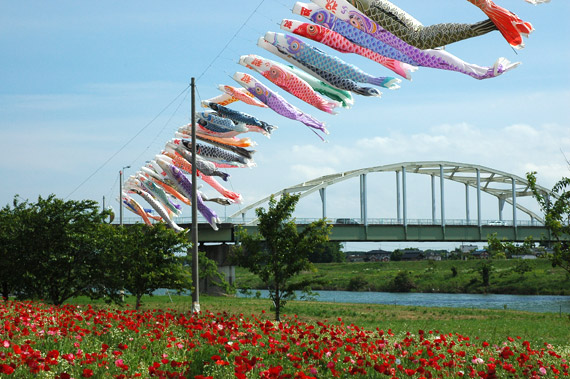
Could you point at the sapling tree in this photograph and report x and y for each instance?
(556, 217)
(278, 251)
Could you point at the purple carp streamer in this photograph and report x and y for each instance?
(338, 42)
(283, 77)
(277, 103)
(358, 28)
(325, 76)
(186, 187)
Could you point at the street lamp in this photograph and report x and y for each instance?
(121, 194)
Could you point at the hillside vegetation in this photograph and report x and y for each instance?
(529, 277)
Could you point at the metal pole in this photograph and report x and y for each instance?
(121, 194)
(195, 272)
(121, 197)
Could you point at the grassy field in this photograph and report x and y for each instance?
(493, 326)
(431, 276)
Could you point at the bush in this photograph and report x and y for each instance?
(357, 284)
(403, 282)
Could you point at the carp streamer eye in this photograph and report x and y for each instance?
(312, 29)
(258, 90)
(295, 46)
(320, 17)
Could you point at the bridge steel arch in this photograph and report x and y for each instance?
(481, 178)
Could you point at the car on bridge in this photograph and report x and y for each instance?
(346, 221)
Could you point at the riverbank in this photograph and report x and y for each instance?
(516, 277)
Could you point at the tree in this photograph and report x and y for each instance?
(402, 282)
(485, 270)
(11, 247)
(278, 251)
(328, 252)
(495, 247)
(144, 260)
(396, 255)
(556, 217)
(522, 267)
(58, 246)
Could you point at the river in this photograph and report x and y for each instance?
(531, 303)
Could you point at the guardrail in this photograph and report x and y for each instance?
(356, 221)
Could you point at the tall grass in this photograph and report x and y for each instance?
(438, 276)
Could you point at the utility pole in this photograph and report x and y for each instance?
(121, 195)
(195, 267)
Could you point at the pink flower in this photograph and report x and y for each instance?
(542, 371)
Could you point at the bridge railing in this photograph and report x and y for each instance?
(357, 221)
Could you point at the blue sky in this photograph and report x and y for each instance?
(85, 89)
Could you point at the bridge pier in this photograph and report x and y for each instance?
(363, 204)
(398, 214)
(220, 254)
(432, 199)
(442, 196)
(323, 193)
(466, 204)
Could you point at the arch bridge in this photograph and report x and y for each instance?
(506, 187)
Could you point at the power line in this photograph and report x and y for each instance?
(231, 39)
(126, 144)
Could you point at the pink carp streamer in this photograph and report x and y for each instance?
(281, 76)
(338, 42)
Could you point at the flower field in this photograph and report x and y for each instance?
(39, 340)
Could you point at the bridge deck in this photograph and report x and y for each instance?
(393, 232)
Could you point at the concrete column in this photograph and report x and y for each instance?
(323, 194)
(405, 210)
(433, 199)
(363, 205)
(514, 202)
(478, 197)
(442, 192)
(399, 216)
(501, 206)
(466, 204)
